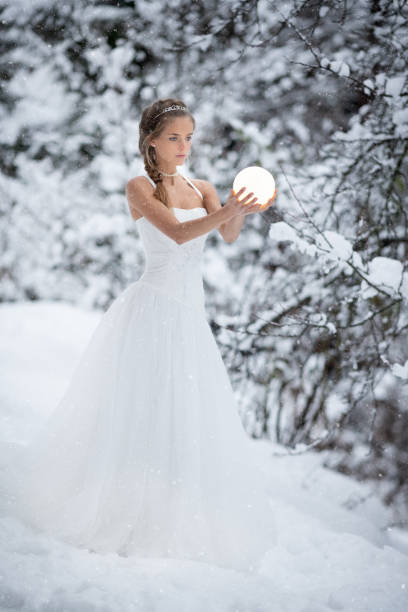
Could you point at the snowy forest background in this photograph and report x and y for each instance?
(309, 305)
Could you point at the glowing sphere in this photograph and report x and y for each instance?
(255, 179)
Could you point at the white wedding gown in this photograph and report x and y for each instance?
(146, 454)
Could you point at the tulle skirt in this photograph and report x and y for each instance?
(145, 454)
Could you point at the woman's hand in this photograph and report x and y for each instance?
(235, 204)
(250, 209)
(248, 205)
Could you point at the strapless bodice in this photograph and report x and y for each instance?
(174, 269)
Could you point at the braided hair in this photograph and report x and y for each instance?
(151, 125)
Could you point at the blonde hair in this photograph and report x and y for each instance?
(151, 125)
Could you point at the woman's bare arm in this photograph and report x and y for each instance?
(140, 199)
(231, 228)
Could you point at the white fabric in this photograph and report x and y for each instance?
(145, 454)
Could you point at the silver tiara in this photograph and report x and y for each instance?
(171, 108)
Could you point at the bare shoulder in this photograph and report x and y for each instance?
(137, 188)
(139, 182)
(211, 200)
(203, 186)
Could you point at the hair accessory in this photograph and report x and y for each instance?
(171, 108)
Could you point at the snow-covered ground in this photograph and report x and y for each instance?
(335, 548)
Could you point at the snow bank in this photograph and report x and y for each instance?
(334, 549)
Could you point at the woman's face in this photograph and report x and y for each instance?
(174, 142)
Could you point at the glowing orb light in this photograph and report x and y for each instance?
(255, 179)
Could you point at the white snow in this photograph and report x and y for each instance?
(369, 86)
(336, 245)
(400, 370)
(385, 273)
(328, 245)
(336, 406)
(335, 549)
(382, 273)
(281, 231)
(394, 85)
(400, 119)
(340, 67)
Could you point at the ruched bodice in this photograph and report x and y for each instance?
(174, 269)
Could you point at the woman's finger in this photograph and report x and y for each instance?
(252, 204)
(240, 192)
(249, 195)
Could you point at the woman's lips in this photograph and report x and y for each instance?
(180, 155)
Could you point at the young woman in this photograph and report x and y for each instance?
(145, 455)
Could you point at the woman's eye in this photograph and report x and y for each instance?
(175, 137)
